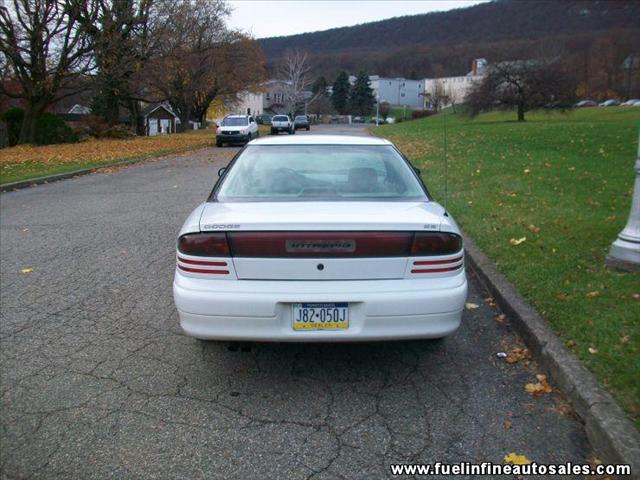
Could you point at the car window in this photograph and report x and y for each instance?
(319, 172)
(234, 122)
(280, 118)
(301, 119)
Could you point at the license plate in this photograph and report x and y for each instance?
(320, 316)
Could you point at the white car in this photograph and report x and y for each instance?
(282, 123)
(319, 238)
(236, 129)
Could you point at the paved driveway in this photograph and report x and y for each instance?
(98, 381)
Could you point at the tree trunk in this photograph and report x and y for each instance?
(32, 114)
(520, 112)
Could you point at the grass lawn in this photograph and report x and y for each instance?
(563, 182)
(26, 161)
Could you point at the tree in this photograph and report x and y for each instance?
(46, 51)
(320, 86)
(340, 95)
(200, 58)
(122, 45)
(384, 109)
(294, 70)
(523, 85)
(361, 99)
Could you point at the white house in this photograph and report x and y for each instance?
(398, 91)
(456, 88)
(249, 103)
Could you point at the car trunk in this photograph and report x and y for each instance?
(320, 240)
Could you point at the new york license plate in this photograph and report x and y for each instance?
(320, 316)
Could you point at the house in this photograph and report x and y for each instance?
(159, 119)
(398, 91)
(80, 110)
(455, 88)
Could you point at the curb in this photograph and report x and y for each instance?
(612, 435)
(32, 182)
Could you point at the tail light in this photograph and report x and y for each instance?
(308, 244)
(435, 243)
(204, 244)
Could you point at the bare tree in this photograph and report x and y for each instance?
(294, 71)
(523, 85)
(46, 52)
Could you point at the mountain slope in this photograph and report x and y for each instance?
(489, 22)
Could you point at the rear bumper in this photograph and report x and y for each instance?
(280, 129)
(261, 310)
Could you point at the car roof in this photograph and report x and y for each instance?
(320, 140)
(237, 116)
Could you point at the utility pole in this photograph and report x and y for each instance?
(377, 107)
(625, 250)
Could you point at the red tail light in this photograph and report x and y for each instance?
(204, 244)
(435, 243)
(320, 244)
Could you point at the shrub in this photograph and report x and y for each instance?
(118, 131)
(421, 114)
(13, 120)
(52, 129)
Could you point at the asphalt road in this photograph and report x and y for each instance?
(98, 380)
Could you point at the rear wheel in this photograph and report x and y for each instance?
(218, 143)
(308, 128)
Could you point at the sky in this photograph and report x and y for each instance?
(274, 18)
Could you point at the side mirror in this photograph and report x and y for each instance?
(221, 171)
(417, 170)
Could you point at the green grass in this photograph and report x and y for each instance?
(570, 175)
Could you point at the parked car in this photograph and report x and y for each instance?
(357, 120)
(301, 121)
(236, 129)
(319, 238)
(380, 120)
(263, 119)
(610, 103)
(282, 123)
(631, 102)
(586, 103)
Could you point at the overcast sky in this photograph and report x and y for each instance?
(273, 18)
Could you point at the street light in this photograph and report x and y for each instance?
(625, 250)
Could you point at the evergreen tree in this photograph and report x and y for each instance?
(340, 95)
(361, 100)
(320, 85)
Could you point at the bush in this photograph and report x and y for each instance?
(13, 120)
(119, 131)
(421, 114)
(52, 129)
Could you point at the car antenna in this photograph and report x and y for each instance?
(446, 156)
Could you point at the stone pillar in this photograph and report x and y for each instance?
(625, 251)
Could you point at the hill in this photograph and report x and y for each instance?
(445, 42)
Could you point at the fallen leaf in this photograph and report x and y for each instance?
(625, 339)
(518, 354)
(526, 170)
(507, 424)
(561, 296)
(532, 228)
(539, 388)
(500, 318)
(571, 343)
(471, 306)
(26, 270)
(515, 459)
(636, 296)
(513, 241)
(592, 350)
(593, 294)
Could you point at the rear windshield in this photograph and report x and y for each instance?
(301, 119)
(319, 173)
(280, 118)
(234, 122)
